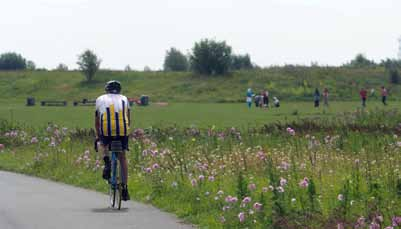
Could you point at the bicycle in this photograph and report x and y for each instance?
(115, 191)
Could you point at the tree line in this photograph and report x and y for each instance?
(207, 57)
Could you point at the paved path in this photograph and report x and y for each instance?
(33, 203)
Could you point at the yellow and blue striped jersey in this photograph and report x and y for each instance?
(113, 114)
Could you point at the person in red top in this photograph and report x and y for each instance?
(384, 95)
(363, 93)
(326, 96)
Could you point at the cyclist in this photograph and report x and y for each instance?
(112, 121)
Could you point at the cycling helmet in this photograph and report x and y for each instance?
(113, 87)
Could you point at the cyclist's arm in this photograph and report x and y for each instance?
(97, 124)
(129, 117)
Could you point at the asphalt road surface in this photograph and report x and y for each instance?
(32, 203)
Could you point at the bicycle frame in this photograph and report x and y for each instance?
(114, 179)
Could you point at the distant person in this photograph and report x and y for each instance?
(326, 96)
(276, 102)
(261, 100)
(249, 95)
(373, 93)
(257, 100)
(316, 97)
(363, 93)
(384, 93)
(266, 98)
(265, 95)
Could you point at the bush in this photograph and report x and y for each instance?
(239, 62)
(360, 61)
(175, 61)
(211, 57)
(62, 67)
(30, 65)
(12, 61)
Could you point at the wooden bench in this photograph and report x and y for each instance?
(53, 103)
(85, 102)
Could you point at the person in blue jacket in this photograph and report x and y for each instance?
(249, 95)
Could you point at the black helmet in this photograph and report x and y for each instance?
(113, 87)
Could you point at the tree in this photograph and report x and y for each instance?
(394, 76)
(241, 62)
(392, 66)
(361, 61)
(127, 68)
(12, 61)
(89, 64)
(147, 69)
(175, 61)
(210, 57)
(391, 63)
(62, 67)
(30, 65)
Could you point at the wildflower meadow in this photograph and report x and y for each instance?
(342, 172)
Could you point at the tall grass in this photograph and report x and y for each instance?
(316, 173)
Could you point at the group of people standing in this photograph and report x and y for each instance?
(316, 97)
(363, 93)
(261, 100)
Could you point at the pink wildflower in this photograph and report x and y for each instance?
(284, 165)
(280, 189)
(252, 187)
(193, 182)
(304, 183)
(241, 217)
(211, 178)
(155, 166)
(201, 177)
(225, 208)
(374, 225)
(283, 182)
(257, 206)
(396, 221)
(148, 170)
(261, 155)
(234, 199)
(360, 223)
(246, 200)
(34, 140)
(290, 131)
(2, 146)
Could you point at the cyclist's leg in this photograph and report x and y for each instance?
(124, 166)
(107, 161)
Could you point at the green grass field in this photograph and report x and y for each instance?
(287, 83)
(339, 169)
(182, 114)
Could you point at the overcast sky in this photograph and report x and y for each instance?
(138, 33)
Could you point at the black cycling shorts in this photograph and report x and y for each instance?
(106, 140)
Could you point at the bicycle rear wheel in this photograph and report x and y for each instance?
(115, 183)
